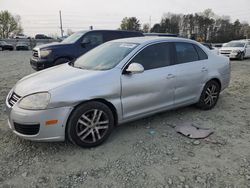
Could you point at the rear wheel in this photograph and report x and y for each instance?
(90, 124)
(209, 95)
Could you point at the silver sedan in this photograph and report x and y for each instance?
(117, 82)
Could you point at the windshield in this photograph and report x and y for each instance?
(105, 56)
(235, 44)
(73, 38)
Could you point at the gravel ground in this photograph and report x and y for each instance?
(144, 153)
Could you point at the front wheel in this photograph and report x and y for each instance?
(90, 124)
(209, 95)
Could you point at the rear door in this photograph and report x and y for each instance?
(191, 72)
(153, 89)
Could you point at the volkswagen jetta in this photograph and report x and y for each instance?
(117, 82)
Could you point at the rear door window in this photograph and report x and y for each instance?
(112, 35)
(185, 52)
(201, 53)
(131, 34)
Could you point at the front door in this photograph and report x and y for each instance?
(152, 89)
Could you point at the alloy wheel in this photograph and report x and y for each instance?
(92, 126)
(211, 95)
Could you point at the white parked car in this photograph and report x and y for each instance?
(236, 49)
(21, 36)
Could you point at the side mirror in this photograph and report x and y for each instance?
(85, 42)
(135, 68)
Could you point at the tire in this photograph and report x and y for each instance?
(242, 56)
(90, 124)
(209, 96)
(61, 61)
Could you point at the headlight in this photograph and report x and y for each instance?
(236, 51)
(45, 53)
(37, 101)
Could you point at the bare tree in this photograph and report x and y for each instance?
(9, 24)
(146, 28)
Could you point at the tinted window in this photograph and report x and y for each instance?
(112, 35)
(185, 52)
(154, 56)
(131, 34)
(93, 38)
(201, 53)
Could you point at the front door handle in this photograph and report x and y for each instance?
(204, 69)
(170, 76)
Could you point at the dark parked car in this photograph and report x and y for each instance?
(22, 46)
(42, 36)
(5, 46)
(77, 44)
(161, 34)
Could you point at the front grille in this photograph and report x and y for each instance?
(31, 129)
(13, 99)
(35, 53)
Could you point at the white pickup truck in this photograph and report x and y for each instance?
(239, 49)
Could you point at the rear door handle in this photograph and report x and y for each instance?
(204, 69)
(170, 76)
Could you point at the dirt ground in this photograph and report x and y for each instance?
(144, 153)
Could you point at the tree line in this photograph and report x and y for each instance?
(205, 26)
(10, 25)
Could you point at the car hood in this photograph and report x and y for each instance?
(232, 48)
(52, 78)
(52, 45)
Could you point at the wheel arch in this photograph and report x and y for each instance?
(61, 57)
(216, 80)
(104, 101)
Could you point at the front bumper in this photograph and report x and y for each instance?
(55, 132)
(40, 64)
(232, 55)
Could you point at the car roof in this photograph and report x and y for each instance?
(85, 31)
(161, 34)
(152, 39)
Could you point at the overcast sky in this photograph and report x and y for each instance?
(42, 16)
